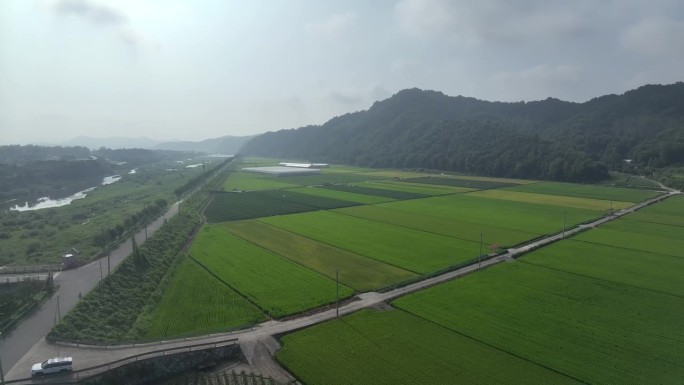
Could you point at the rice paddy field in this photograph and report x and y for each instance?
(197, 302)
(599, 308)
(610, 295)
(276, 285)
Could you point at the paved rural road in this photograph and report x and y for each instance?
(260, 337)
(71, 283)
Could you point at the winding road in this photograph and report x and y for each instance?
(258, 343)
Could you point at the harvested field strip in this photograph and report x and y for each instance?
(341, 195)
(363, 189)
(361, 273)
(196, 302)
(651, 271)
(563, 321)
(554, 200)
(492, 235)
(587, 191)
(533, 218)
(408, 249)
(394, 347)
(277, 285)
(459, 182)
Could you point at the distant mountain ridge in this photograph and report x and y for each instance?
(548, 139)
(227, 145)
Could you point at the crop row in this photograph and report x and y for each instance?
(278, 286)
(394, 347)
(194, 301)
(460, 182)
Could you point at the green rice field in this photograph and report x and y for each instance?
(341, 195)
(358, 272)
(565, 322)
(393, 347)
(491, 234)
(276, 285)
(529, 217)
(586, 191)
(196, 302)
(418, 252)
(554, 200)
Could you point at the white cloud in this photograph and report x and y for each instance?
(101, 15)
(655, 36)
(333, 26)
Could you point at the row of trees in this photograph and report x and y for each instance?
(112, 234)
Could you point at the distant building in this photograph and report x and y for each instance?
(283, 170)
(304, 165)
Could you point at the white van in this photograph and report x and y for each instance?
(53, 365)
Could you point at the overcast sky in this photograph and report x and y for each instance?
(193, 70)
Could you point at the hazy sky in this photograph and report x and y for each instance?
(198, 69)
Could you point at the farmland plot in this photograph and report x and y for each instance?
(236, 206)
(341, 195)
(554, 200)
(278, 286)
(429, 190)
(361, 273)
(478, 184)
(492, 235)
(197, 302)
(530, 217)
(611, 235)
(565, 322)
(586, 191)
(366, 190)
(394, 347)
(669, 212)
(405, 248)
(646, 270)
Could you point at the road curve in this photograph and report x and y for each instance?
(87, 356)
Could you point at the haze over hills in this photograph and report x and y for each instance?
(223, 145)
(548, 139)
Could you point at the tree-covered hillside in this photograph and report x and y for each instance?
(549, 139)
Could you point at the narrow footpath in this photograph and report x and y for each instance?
(260, 338)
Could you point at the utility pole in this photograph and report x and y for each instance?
(59, 312)
(109, 266)
(337, 296)
(479, 256)
(2, 373)
(101, 270)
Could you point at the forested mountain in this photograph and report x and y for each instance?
(549, 139)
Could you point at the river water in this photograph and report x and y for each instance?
(47, 202)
